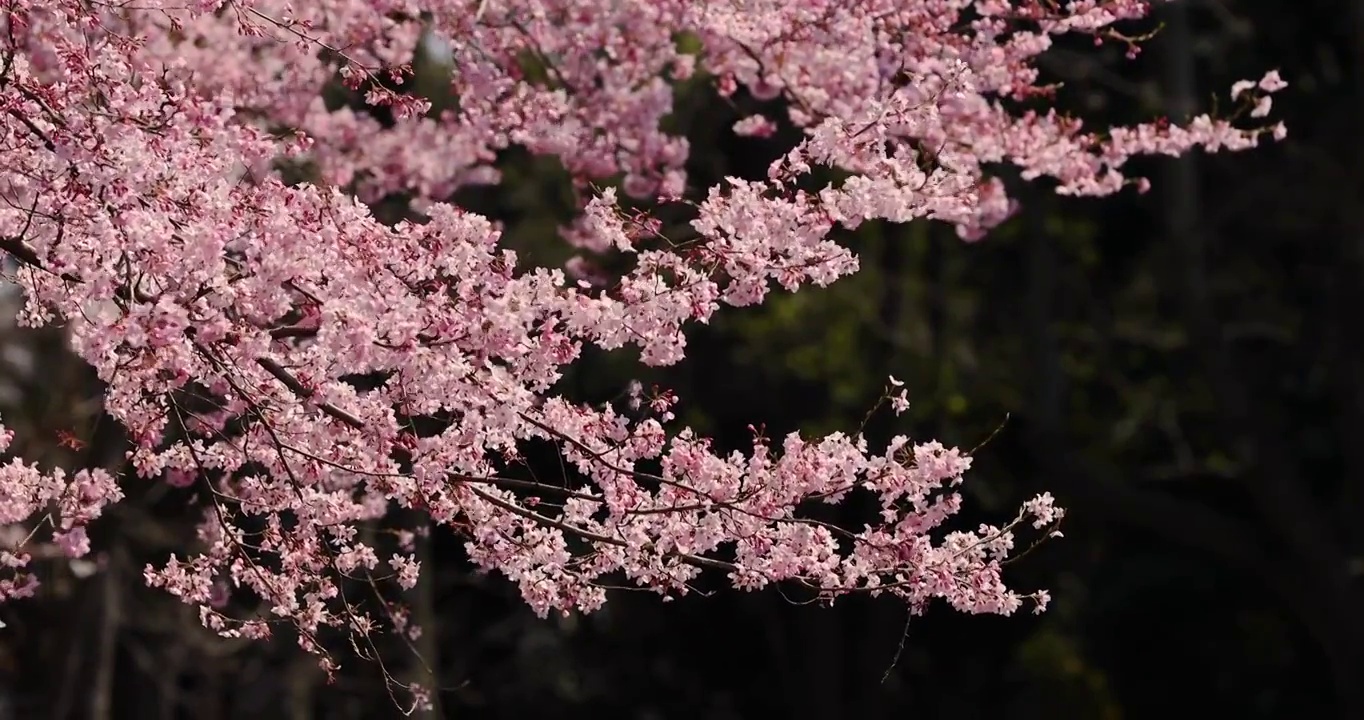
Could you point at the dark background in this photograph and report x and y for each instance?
(1184, 370)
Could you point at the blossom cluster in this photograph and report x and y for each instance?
(228, 312)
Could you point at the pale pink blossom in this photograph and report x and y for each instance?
(143, 137)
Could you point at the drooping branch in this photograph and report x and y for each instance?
(139, 170)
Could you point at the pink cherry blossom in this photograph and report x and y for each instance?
(225, 309)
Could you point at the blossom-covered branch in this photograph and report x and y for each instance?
(230, 313)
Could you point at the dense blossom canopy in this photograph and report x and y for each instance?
(229, 312)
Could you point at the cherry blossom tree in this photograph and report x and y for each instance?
(310, 369)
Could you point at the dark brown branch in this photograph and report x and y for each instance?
(306, 392)
(537, 518)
